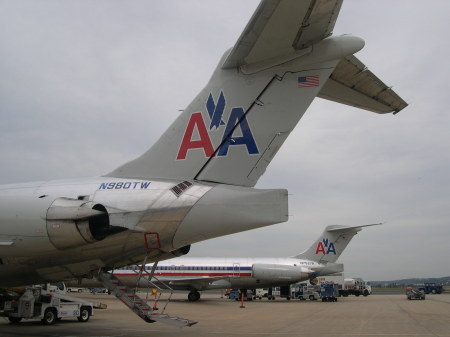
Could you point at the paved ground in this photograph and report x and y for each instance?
(376, 315)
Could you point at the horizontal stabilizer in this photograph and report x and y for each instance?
(348, 228)
(281, 27)
(353, 84)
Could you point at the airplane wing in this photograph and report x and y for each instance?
(353, 84)
(282, 27)
(198, 283)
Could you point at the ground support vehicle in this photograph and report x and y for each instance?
(248, 294)
(269, 293)
(304, 292)
(46, 305)
(355, 286)
(431, 288)
(348, 286)
(74, 290)
(285, 291)
(414, 294)
(329, 292)
(236, 294)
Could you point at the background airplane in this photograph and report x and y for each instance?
(195, 274)
(197, 181)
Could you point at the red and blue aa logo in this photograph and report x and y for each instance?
(236, 125)
(325, 247)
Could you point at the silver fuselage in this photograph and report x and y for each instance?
(68, 229)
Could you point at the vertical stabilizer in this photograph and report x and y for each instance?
(256, 96)
(330, 245)
(261, 88)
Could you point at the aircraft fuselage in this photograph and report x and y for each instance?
(65, 229)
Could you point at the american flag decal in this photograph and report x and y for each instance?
(308, 81)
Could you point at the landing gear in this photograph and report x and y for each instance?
(193, 296)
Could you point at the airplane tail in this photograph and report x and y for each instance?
(259, 91)
(330, 245)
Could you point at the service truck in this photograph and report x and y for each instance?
(271, 293)
(302, 291)
(74, 290)
(45, 303)
(356, 286)
(347, 286)
(431, 288)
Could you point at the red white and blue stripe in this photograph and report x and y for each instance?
(308, 81)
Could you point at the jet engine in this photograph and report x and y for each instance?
(280, 272)
(73, 223)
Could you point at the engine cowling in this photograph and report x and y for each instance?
(73, 223)
(279, 272)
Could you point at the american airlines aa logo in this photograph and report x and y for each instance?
(325, 247)
(236, 124)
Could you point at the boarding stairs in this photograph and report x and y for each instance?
(138, 305)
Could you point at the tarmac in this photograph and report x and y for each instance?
(375, 315)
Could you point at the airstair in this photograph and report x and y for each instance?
(138, 305)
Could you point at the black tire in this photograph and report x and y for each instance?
(433, 291)
(85, 314)
(50, 316)
(311, 297)
(193, 296)
(80, 290)
(14, 320)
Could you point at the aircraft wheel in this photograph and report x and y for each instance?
(50, 316)
(85, 313)
(193, 296)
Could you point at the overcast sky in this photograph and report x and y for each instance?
(88, 85)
